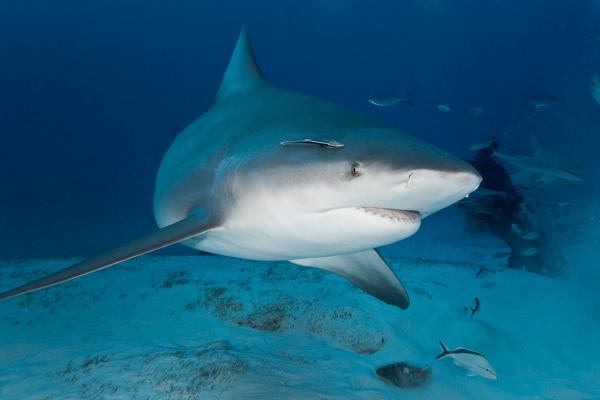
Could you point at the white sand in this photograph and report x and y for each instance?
(204, 327)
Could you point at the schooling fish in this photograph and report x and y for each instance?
(474, 362)
(388, 99)
(475, 310)
(237, 180)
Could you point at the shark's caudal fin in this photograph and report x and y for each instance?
(243, 73)
(164, 237)
(367, 270)
(445, 351)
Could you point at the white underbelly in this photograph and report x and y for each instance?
(315, 234)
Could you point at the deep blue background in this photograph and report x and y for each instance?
(93, 92)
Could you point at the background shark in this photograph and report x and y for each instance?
(270, 174)
(543, 162)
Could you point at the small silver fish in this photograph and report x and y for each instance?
(474, 362)
(388, 99)
(443, 108)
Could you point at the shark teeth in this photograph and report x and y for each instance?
(393, 215)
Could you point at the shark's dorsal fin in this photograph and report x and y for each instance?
(242, 73)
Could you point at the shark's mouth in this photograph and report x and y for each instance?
(403, 216)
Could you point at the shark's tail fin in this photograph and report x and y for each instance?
(445, 351)
(166, 236)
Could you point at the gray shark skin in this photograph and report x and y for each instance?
(546, 163)
(270, 174)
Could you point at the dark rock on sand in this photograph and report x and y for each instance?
(404, 375)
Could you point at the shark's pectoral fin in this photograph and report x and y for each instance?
(164, 237)
(367, 270)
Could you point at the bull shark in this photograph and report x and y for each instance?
(270, 174)
(549, 164)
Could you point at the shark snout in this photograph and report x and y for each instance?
(468, 181)
(427, 191)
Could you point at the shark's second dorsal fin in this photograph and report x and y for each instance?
(242, 73)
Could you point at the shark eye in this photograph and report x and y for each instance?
(355, 169)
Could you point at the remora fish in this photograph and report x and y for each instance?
(235, 183)
(388, 99)
(474, 362)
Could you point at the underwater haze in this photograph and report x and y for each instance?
(457, 263)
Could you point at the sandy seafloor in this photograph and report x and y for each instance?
(209, 327)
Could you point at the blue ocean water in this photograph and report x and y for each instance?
(93, 93)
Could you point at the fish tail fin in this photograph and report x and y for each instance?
(444, 352)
